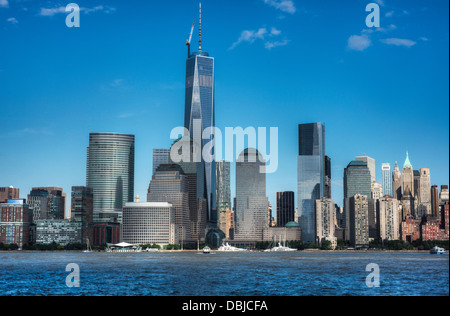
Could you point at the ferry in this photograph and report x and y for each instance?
(437, 250)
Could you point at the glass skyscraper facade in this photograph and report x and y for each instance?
(357, 180)
(386, 178)
(223, 185)
(110, 173)
(200, 115)
(252, 204)
(311, 176)
(160, 157)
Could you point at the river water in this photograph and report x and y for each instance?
(223, 274)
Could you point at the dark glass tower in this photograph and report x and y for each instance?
(200, 114)
(285, 208)
(311, 176)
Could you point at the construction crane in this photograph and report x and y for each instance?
(188, 41)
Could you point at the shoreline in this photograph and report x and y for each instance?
(215, 251)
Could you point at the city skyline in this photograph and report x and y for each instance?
(428, 147)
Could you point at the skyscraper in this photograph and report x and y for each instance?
(435, 200)
(388, 218)
(82, 210)
(386, 179)
(408, 177)
(425, 186)
(357, 180)
(169, 184)
(325, 221)
(397, 182)
(110, 173)
(200, 113)
(251, 200)
(310, 176)
(370, 164)
(195, 175)
(223, 185)
(359, 221)
(160, 157)
(285, 208)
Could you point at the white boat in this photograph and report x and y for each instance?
(152, 250)
(227, 247)
(280, 248)
(437, 250)
(207, 250)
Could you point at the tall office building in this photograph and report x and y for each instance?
(285, 208)
(370, 164)
(386, 179)
(408, 197)
(388, 218)
(251, 200)
(310, 176)
(435, 200)
(82, 210)
(8, 193)
(169, 184)
(223, 186)
(397, 182)
(110, 173)
(200, 114)
(425, 186)
(359, 221)
(195, 175)
(408, 177)
(160, 157)
(325, 221)
(357, 180)
(327, 180)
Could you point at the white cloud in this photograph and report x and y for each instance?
(283, 5)
(52, 11)
(399, 42)
(12, 20)
(57, 10)
(4, 4)
(389, 14)
(270, 45)
(263, 34)
(250, 36)
(275, 32)
(359, 42)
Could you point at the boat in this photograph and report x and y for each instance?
(227, 247)
(152, 250)
(280, 248)
(123, 247)
(436, 250)
(206, 250)
(88, 247)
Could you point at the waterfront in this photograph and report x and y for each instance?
(224, 274)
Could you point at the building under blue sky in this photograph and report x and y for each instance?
(278, 63)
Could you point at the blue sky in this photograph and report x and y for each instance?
(279, 63)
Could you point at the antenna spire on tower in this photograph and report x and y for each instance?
(200, 30)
